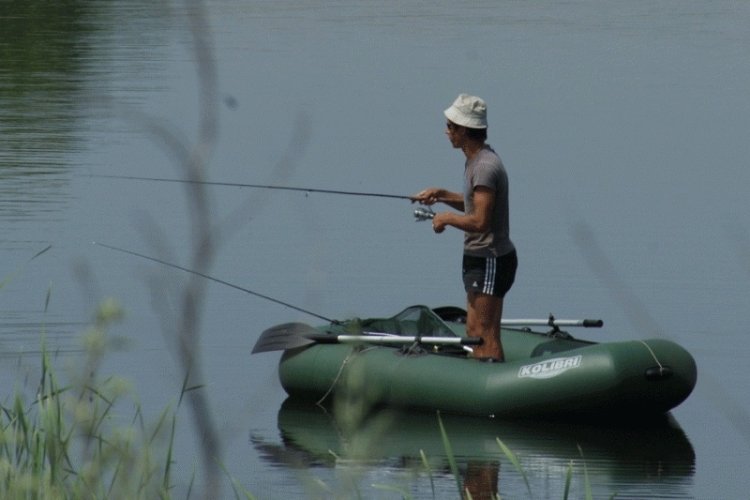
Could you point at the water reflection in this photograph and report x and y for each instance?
(43, 49)
(652, 458)
(58, 64)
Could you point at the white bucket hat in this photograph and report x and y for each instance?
(468, 111)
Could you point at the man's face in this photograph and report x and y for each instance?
(454, 133)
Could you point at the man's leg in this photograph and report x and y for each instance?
(483, 320)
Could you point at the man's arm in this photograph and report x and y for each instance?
(476, 222)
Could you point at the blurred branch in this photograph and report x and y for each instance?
(202, 248)
(182, 318)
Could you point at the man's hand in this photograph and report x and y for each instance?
(439, 222)
(428, 196)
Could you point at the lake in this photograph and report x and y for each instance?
(625, 130)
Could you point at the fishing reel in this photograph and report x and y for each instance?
(423, 213)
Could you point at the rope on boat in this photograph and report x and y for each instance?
(661, 367)
(341, 370)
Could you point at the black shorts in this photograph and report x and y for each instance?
(490, 275)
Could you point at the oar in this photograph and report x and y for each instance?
(453, 313)
(586, 323)
(291, 335)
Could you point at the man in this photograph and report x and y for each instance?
(489, 260)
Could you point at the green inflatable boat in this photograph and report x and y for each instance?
(421, 359)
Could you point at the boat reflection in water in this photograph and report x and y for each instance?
(648, 459)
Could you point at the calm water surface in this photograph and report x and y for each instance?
(624, 127)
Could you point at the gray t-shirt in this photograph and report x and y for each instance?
(486, 169)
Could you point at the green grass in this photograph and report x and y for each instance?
(72, 441)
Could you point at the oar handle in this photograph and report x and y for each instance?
(592, 323)
(586, 323)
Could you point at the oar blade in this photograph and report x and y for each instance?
(284, 336)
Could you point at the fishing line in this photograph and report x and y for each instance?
(256, 186)
(18, 271)
(217, 280)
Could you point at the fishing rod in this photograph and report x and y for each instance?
(217, 280)
(551, 321)
(256, 186)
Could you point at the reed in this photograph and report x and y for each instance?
(73, 441)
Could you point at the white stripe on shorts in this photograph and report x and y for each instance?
(490, 266)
